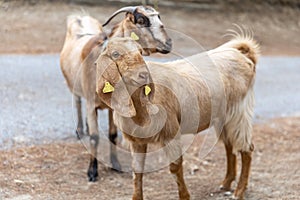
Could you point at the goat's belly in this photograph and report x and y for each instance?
(74, 84)
(191, 129)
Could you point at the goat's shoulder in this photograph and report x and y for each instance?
(93, 42)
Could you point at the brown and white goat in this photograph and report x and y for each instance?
(83, 45)
(158, 102)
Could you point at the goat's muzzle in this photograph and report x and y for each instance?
(137, 77)
(166, 47)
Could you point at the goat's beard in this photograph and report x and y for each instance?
(148, 51)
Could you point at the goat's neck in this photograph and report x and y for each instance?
(142, 116)
(118, 30)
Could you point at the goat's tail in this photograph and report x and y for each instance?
(245, 43)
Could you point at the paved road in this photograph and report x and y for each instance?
(36, 106)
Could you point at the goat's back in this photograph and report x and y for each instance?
(203, 83)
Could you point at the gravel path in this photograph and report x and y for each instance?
(36, 106)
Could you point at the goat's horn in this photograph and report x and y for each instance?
(130, 9)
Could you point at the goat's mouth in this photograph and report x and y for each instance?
(165, 48)
(164, 51)
(138, 83)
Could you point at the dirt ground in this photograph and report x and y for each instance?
(58, 170)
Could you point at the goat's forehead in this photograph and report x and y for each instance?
(123, 45)
(148, 11)
(88, 19)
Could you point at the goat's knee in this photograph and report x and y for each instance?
(177, 170)
(94, 140)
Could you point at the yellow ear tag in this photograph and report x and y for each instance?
(147, 90)
(108, 88)
(134, 36)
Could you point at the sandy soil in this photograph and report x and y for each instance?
(58, 170)
(40, 28)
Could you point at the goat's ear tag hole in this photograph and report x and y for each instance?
(147, 90)
(108, 87)
(134, 36)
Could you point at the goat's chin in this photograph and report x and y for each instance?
(164, 50)
(146, 53)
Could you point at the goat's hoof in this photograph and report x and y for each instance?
(135, 197)
(224, 188)
(93, 171)
(92, 179)
(186, 197)
(235, 197)
(115, 164)
(92, 176)
(79, 133)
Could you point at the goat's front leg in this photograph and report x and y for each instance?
(138, 162)
(231, 168)
(94, 141)
(177, 170)
(113, 133)
(244, 177)
(174, 153)
(79, 128)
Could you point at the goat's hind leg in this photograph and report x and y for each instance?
(79, 128)
(113, 134)
(231, 168)
(244, 177)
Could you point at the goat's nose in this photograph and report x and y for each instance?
(169, 42)
(144, 75)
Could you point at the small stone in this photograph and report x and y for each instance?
(227, 193)
(18, 182)
(193, 169)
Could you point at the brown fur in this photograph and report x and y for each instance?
(138, 120)
(97, 40)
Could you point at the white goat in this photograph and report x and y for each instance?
(157, 102)
(83, 45)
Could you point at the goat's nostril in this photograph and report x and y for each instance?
(169, 41)
(144, 75)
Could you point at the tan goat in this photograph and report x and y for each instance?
(83, 45)
(158, 102)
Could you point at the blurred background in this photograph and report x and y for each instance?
(39, 26)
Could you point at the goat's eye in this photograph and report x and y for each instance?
(158, 16)
(115, 54)
(141, 21)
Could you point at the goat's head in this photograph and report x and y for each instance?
(144, 22)
(81, 25)
(121, 74)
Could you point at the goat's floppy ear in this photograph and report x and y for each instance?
(111, 89)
